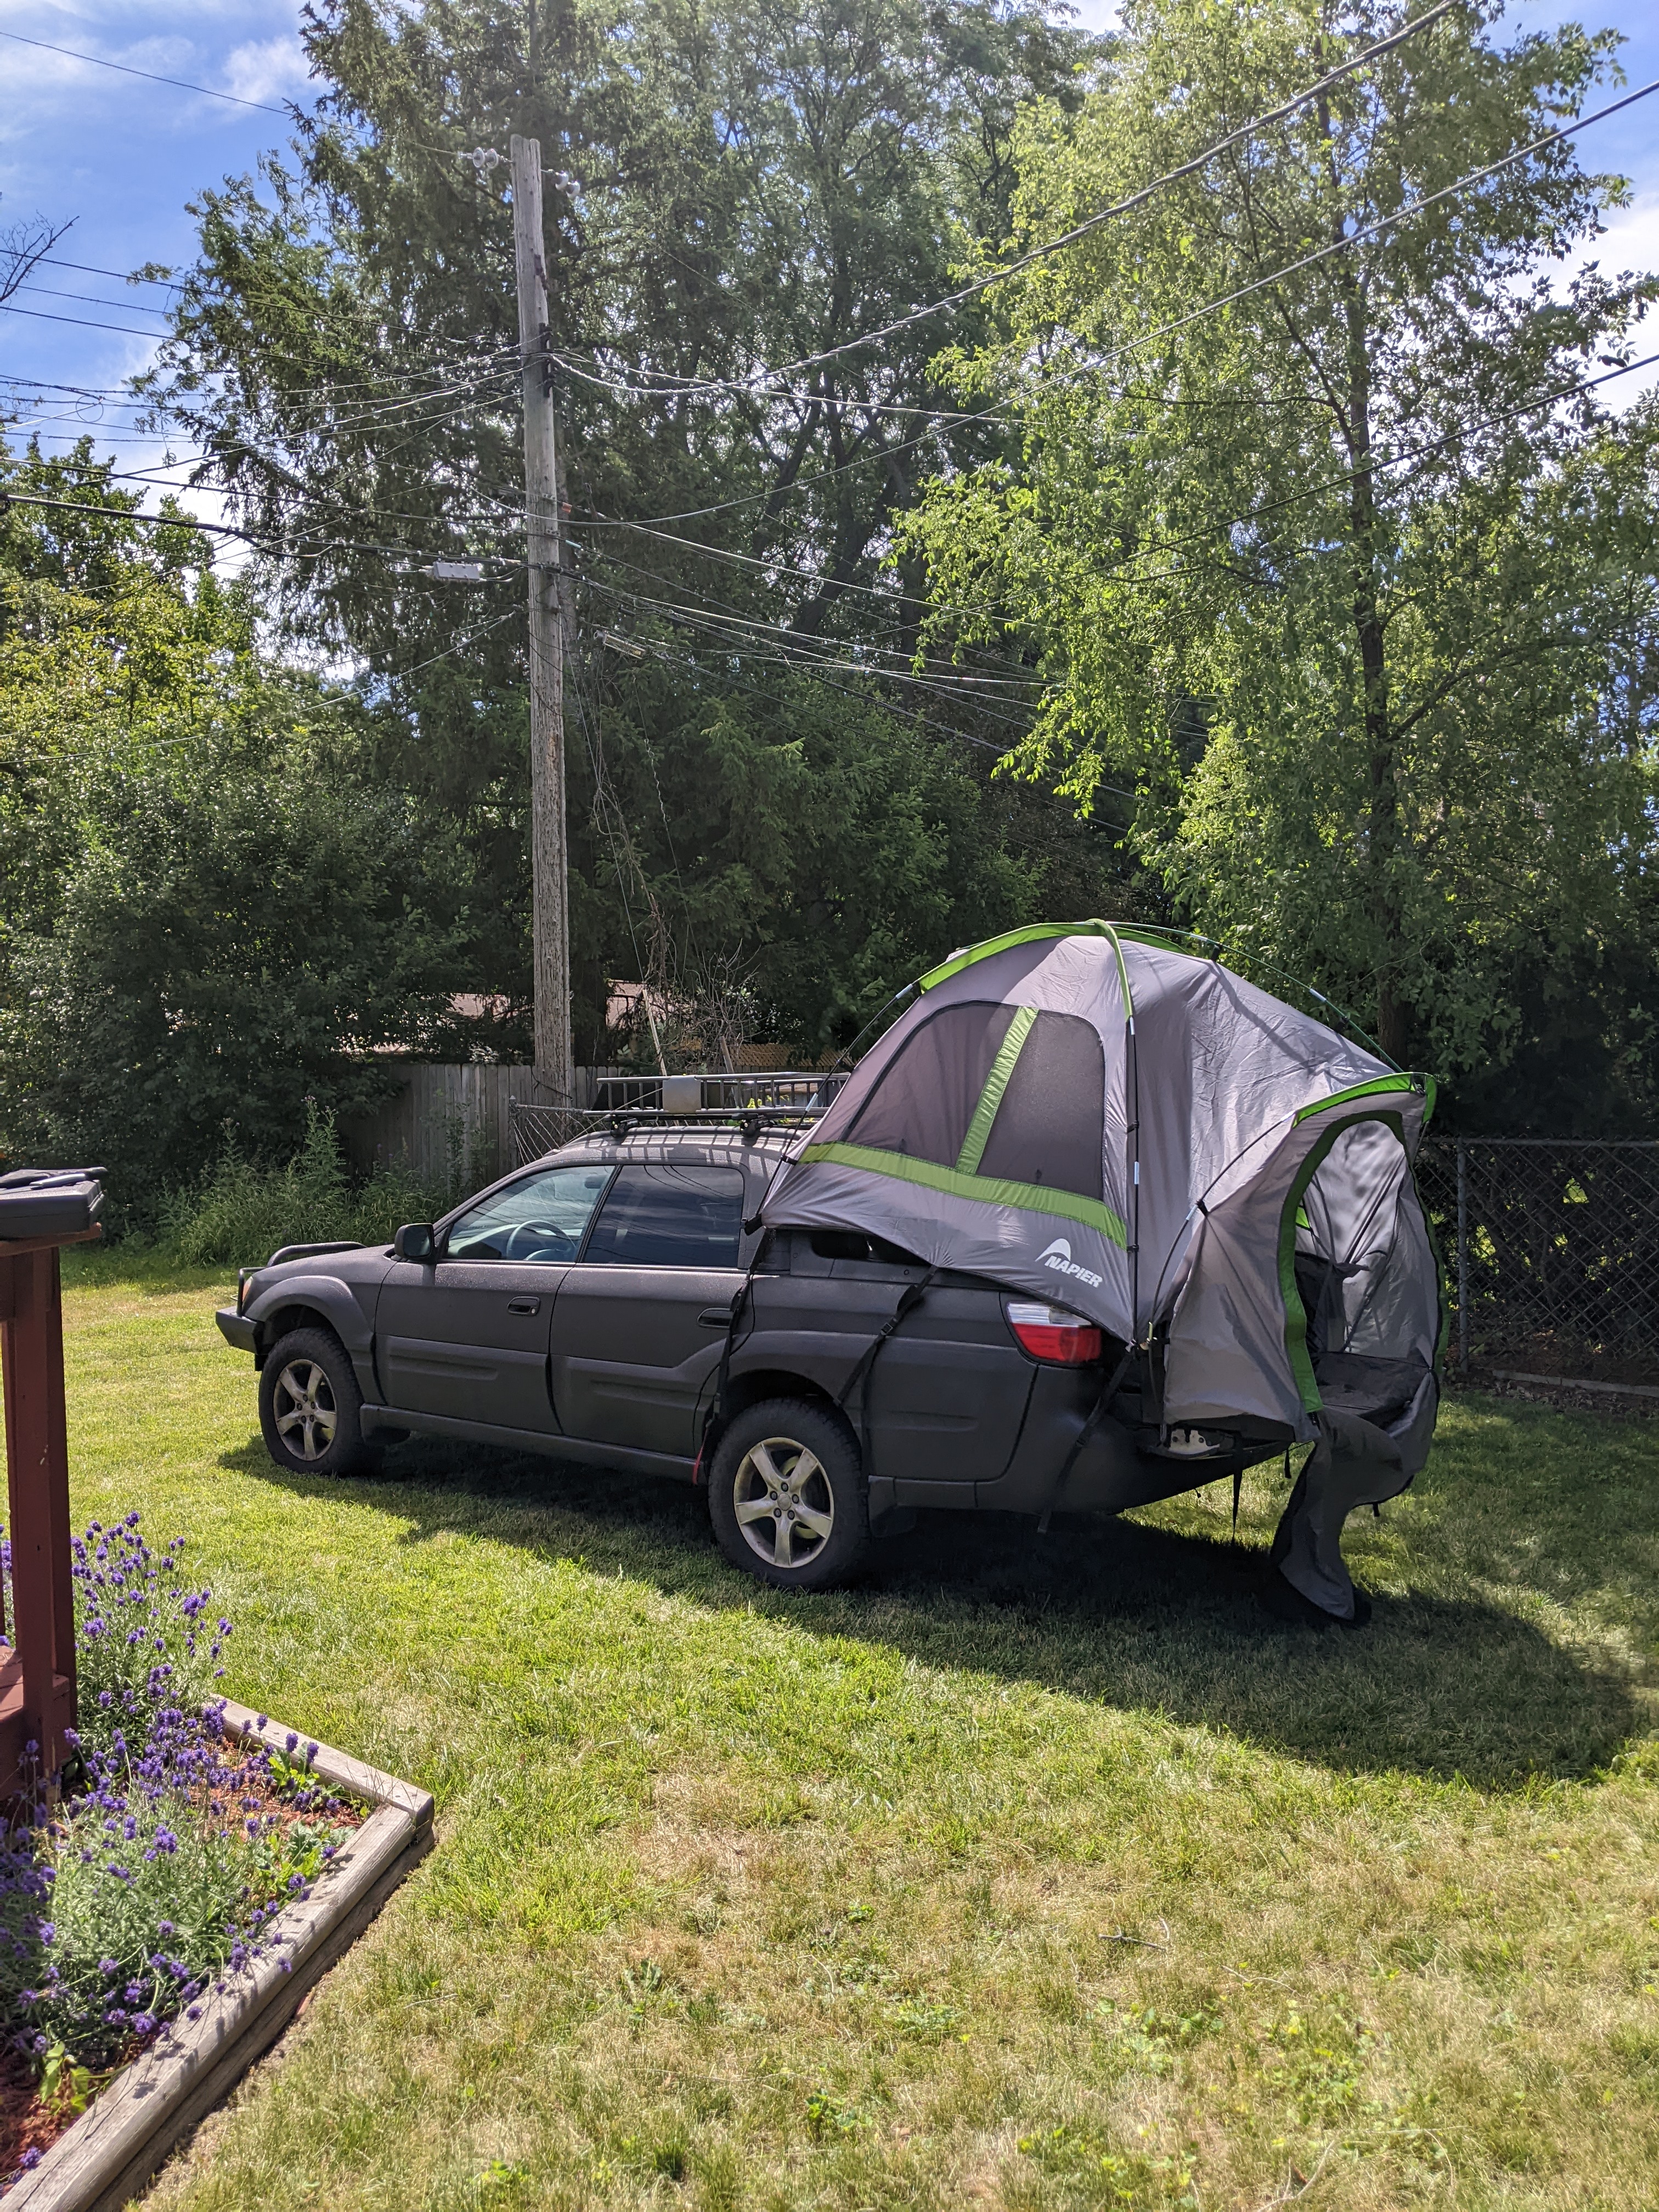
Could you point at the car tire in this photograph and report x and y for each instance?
(786, 1495)
(310, 1405)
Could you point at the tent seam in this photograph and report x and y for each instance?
(986, 1190)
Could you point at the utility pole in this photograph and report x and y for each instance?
(549, 903)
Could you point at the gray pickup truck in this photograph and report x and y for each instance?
(614, 1303)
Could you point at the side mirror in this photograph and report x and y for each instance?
(415, 1240)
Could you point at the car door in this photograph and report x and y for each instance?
(641, 1317)
(466, 1335)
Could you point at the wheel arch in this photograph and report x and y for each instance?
(282, 1319)
(752, 1386)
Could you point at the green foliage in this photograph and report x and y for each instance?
(212, 905)
(244, 1211)
(750, 182)
(1345, 577)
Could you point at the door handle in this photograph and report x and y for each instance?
(714, 1317)
(524, 1305)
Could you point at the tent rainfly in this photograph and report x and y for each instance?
(1223, 1184)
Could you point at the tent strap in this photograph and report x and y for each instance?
(1108, 1390)
(858, 1380)
(714, 1419)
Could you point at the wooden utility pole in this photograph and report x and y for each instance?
(550, 911)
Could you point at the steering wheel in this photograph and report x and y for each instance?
(538, 1240)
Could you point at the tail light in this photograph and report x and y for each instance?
(1052, 1334)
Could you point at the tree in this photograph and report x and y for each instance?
(732, 186)
(1320, 529)
(210, 906)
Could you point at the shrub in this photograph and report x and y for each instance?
(244, 1212)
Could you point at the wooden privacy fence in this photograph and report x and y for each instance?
(450, 1125)
(445, 1124)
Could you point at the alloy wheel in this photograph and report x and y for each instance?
(303, 1403)
(783, 1502)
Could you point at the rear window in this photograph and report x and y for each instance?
(662, 1216)
(853, 1244)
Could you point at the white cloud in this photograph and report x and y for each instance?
(267, 69)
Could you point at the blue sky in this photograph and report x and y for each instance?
(121, 156)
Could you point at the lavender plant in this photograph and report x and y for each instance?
(157, 1874)
(144, 1642)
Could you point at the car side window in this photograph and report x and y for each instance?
(542, 1217)
(664, 1216)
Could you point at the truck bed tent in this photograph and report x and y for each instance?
(1091, 1114)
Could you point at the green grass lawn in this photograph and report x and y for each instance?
(1036, 1872)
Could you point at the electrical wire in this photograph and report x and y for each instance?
(1370, 230)
(1136, 199)
(88, 298)
(120, 276)
(804, 651)
(149, 75)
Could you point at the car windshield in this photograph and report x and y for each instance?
(542, 1217)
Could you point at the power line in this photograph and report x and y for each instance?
(806, 663)
(1136, 199)
(149, 75)
(671, 387)
(1357, 237)
(89, 300)
(120, 276)
(81, 323)
(812, 649)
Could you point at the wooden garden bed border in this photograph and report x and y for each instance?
(116, 2145)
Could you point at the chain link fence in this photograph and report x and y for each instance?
(1552, 1252)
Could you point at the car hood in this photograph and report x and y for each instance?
(359, 1264)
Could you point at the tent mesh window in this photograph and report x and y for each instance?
(1050, 1127)
(925, 1098)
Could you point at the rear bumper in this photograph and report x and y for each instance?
(237, 1329)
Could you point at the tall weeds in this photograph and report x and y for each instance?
(243, 1211)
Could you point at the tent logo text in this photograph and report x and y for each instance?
(1059, 1257)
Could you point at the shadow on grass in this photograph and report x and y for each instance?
(1116, 1613)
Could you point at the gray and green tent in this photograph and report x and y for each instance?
(1093, 1115)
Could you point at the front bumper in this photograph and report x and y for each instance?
(237, 1329)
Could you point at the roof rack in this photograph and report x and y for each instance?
(621, 1120)
(539, 1130)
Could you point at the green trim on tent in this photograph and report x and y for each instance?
(1378, 1085)
(1033, 932)
(990, 1190)
(1295, 1314)
(979, 1129)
